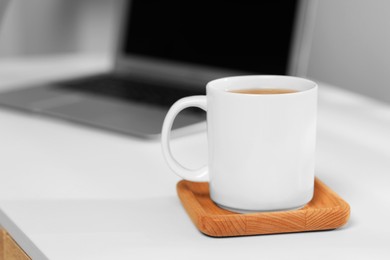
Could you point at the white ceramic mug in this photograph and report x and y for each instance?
(261, 146)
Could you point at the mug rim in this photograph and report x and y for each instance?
(222, 84)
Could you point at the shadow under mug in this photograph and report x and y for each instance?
(261, 146)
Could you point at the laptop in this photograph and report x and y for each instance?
(170, 49)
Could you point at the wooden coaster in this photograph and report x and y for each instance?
(325, 211)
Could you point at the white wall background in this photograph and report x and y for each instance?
(351, 46)
(44, 27)
(351, 43)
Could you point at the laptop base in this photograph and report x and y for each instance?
(132, 118)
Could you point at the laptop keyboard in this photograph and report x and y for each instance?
(124, 88)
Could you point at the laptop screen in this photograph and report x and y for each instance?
(253, 36)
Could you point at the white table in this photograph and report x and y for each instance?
(73, 192)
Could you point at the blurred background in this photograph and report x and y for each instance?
(350, 45)
(46, 27)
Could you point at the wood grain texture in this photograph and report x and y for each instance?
(9, 249)
(2, 235)
(12, 250)
(325, 211)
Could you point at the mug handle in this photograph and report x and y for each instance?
(196, 175)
